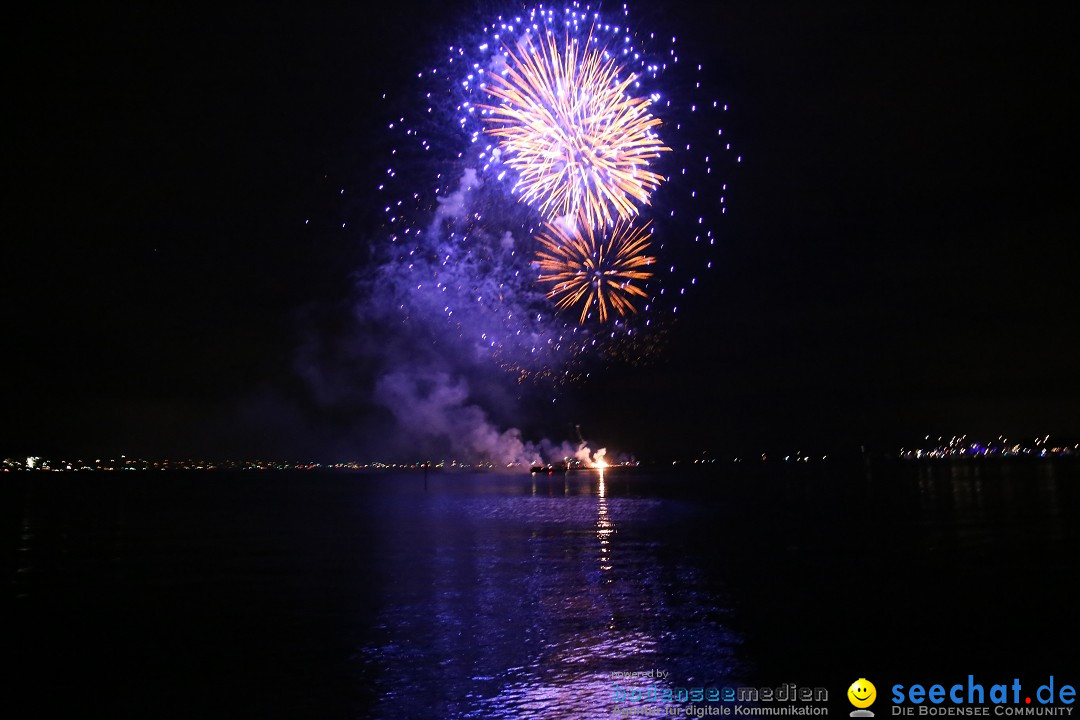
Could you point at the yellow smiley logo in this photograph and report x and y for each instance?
(862, 693)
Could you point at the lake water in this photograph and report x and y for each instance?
(345, 595)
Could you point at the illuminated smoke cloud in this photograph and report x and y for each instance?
(435, 408)
(454, 206)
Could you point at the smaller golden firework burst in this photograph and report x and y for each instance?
(593, 267)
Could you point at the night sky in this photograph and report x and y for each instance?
(899, 255)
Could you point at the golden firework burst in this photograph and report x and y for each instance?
(594, 268)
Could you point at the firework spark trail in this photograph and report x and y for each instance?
(580, 144)
(594, 269)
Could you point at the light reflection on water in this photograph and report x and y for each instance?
(532, 600)
(972, 504)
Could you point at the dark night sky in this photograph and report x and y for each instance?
(900, 254)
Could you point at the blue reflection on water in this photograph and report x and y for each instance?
(519, 598)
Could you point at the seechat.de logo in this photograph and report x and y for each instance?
(862, 694)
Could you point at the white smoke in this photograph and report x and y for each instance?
(435, 410)
(454, 205)
(594, 461)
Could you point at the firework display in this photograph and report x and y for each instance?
(594, 270)
(580, 144)
(550, 191)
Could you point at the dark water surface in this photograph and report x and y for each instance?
(338, 595)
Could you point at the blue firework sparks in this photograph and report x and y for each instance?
(460, 244)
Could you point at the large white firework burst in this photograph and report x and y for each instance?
(579, 142)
